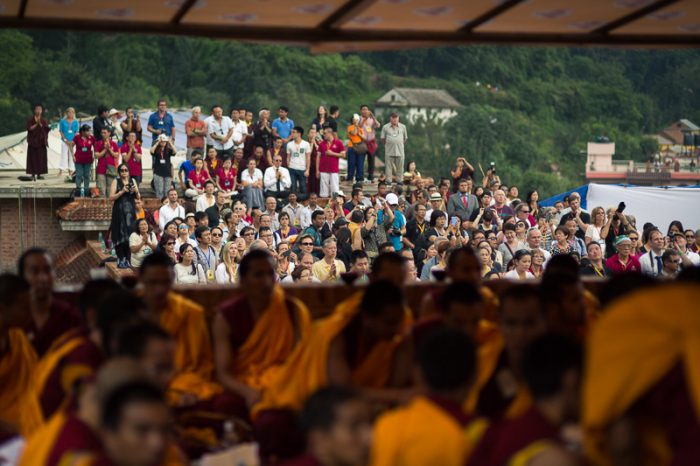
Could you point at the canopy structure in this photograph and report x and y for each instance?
(657, 205)
(357, 25)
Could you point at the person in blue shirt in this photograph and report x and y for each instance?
(161, 122)
(68, 127)
(398, 227)
(187, 166)
(282, 126)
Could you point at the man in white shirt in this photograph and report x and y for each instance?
(688, 257)
(277, 181)
(171, 210)
(240, 130)
(294, 210)
(220, 134)
(652, 263)
(207, 199)
(308, 210)
(298, 161)
(534, 241)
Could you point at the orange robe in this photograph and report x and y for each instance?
(424, 433)
(632, 347)
(491, 347)
(184, 320)
(271, 340)
(18, 406)
(306, 369)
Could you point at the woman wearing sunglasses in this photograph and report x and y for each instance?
(167, 246)
(122, 193)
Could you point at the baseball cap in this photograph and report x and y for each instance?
(113, 111)
(189, 214)
(392, 199)
(342, 221)
(435, 197)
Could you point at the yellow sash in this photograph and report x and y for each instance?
(271, 342)
(41, 442)
(18, 406)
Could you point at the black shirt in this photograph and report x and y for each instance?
(161, 162)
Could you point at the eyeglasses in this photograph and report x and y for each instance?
(307, 244)
(250, 233)
(170, 243)
(124, 170)
(217, 234)
(524, 211)
(633, 238)
(690, 236)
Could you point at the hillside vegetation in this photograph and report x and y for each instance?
(529, 110)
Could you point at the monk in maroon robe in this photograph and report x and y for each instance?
(37, 142)
(51, 317)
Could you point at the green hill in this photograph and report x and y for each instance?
(549, 101)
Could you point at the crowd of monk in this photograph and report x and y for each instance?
(541, 374)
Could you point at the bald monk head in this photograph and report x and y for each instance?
(14, 302)
(36, 266)
(257, 275)
(338, 426)
(152, 347)
(92, 295)
(117, 311)
(134, 424)
(464, 266)
(563, 302)
(382, 310)
(521, 320)
(390, 266)
(462, 307)
(552, 367)
(447, 362)
(156, 277)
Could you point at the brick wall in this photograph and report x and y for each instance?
(36, 225)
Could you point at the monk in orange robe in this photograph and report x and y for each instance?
(641, 393)
(552, 367)
(50, 317)
(462, 266)
(185, 321)
(19, 412)
(255, 333)
(499, 390)
(77, 355)
(433, 429)
(354, 346)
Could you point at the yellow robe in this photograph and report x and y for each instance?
(184, 320)
(18, 406)
(491, 303)
(422, 434)
(306, 369)
(634, 344)
(491, 345)
(271, 342)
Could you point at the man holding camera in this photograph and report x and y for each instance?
(583, 219)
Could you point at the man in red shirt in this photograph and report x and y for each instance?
(107, 155)
(84, 144)
(132, 156)
(331, 150)
(195, 129)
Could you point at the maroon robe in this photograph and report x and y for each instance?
(313, 183)
(669, 403)
(74, 436)
(84, 357)
(62, 318)
(304, 460)
(37, 141)
(507, 438)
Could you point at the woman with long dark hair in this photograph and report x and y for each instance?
(122, 193)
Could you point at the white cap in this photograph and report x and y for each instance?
(113, 111)
(392, 199)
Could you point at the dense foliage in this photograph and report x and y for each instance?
(549, 101)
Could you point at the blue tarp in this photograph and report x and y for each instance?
(582, 190)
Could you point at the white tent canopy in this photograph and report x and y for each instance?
(658, 205)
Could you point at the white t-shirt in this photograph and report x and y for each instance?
(257, 175)
(297, 154)
(513, 275)
(203, 203)
(184, 275)
(220, 129)
(240, 130)
(134, 240)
